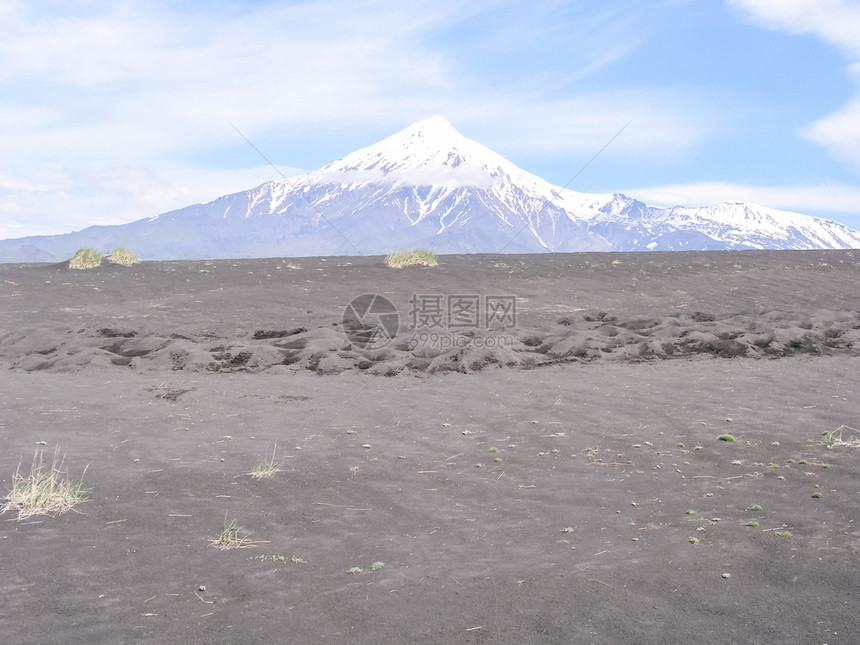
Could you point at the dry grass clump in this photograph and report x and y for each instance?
(85, 259)
(414, 258)
(92, 258)
(45, 489)
(232, 537)
(122, 256)
(266, 468)
(842, 436)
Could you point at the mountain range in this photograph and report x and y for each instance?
(430, 187)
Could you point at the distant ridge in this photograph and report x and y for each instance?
(429, 186)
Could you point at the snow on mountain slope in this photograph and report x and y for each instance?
(431, 187)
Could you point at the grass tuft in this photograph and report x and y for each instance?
(85, 259)
(842, 436)
(415, 258)
(122, 256)
(726, 437)
(232, 537)
(266, 468)
(45, 489)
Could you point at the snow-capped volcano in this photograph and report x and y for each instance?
(428, 153)
(428, 186)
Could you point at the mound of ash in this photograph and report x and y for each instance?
(326, 349)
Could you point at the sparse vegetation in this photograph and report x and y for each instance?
(122, 256)
(232, 537)
(755, 507)
(782, 533)
(414, 258)
(45, 489)
(277, 557)
(753, 524)
(694, 540)
(817, 495)
(376, 566)
(266, 468)
(842, 436)
(726, 437)
(85, 259)
(354, 570)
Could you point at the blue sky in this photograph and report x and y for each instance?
(114, 111)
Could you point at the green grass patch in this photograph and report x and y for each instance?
(44, 489)
(85, 259)
(752, 524)
(726, 437)
(414, 258)
(232, 537)
(267, 467)
(782, 533)
(122, 256)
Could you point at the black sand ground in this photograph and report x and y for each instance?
(532, 485)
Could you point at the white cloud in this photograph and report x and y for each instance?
(836, 22)
(115, 195)
(823, 198)
(12, 184)
(659, 119)
(839, 132)
(96, 94)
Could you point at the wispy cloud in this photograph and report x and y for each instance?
(94, 95)
(836, 22)
(821, 199)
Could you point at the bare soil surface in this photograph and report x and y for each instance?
(556, 477)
